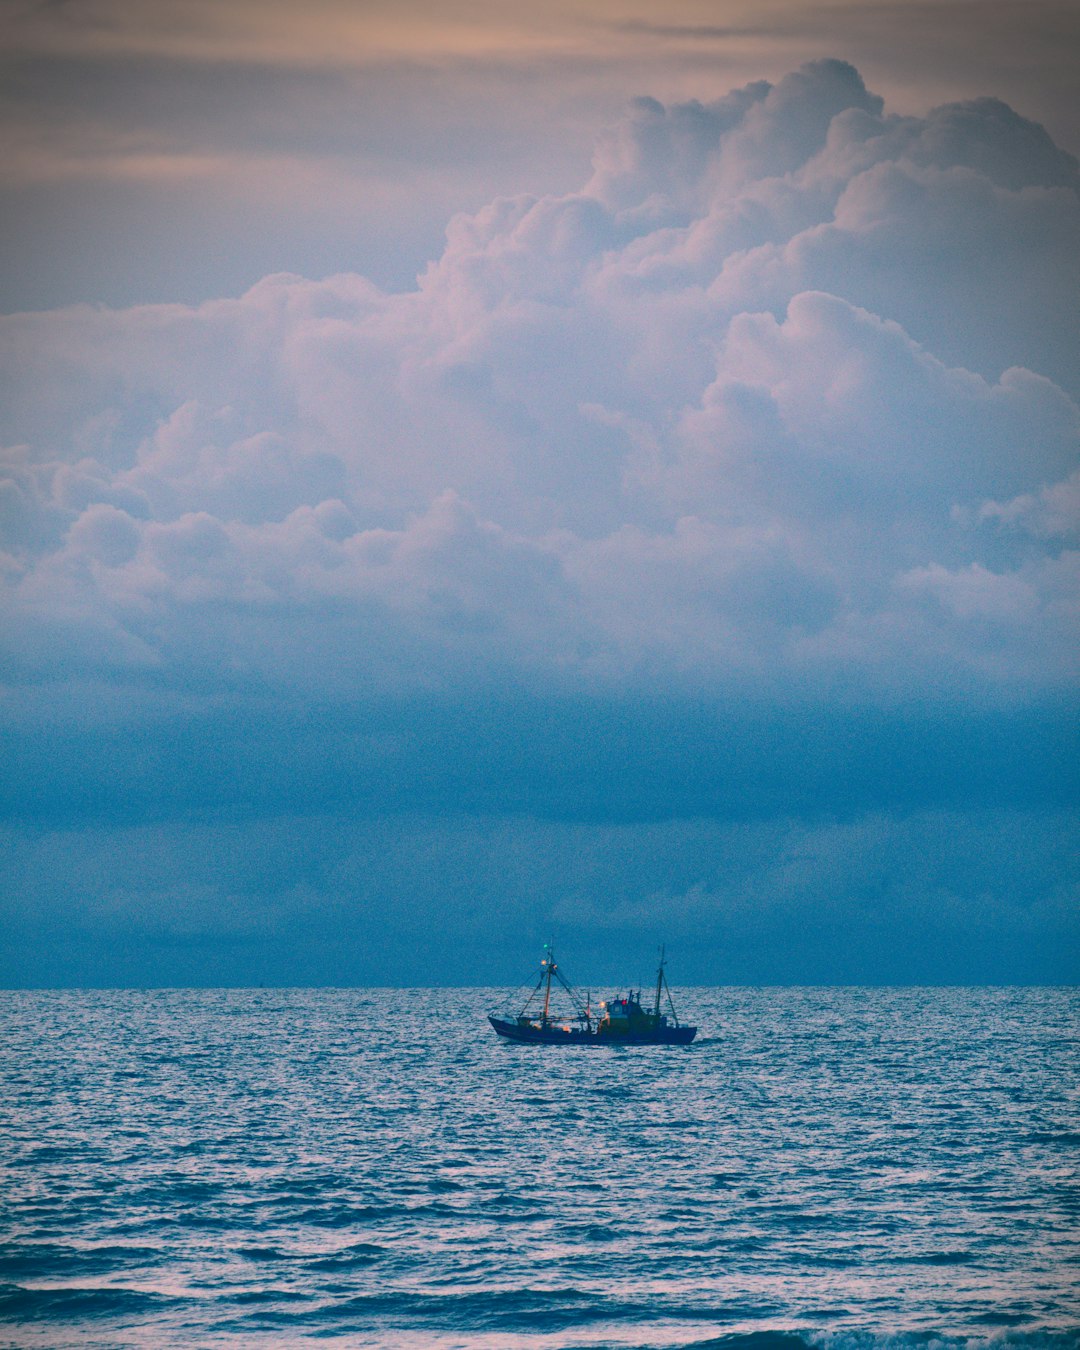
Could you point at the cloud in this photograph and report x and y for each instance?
(939, 896)
(778, 410)
(1052, 512)
(163, 139)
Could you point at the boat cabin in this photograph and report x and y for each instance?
(626, 1017)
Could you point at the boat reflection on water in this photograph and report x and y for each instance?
(619, 1021)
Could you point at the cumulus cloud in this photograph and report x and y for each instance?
(1054, 511)
(786, 393)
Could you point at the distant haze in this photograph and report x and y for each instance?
(688, 555)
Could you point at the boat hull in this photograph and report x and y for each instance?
(533, 1035)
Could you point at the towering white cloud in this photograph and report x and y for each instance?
(785, 396)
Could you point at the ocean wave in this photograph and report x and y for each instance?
(23, 1303)
(766, 1339)
(425, 1191)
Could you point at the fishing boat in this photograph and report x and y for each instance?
(618, 1021)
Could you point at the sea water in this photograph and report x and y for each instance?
(823, 1167)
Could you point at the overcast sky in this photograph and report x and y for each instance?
(480, 473)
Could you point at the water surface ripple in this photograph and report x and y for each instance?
(825, 1167)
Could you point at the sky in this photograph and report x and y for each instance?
(474, 474)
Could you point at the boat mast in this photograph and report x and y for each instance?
(549, 962)
(659, 983)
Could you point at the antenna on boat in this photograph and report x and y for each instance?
(659, 984)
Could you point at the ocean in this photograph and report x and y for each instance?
(824, 1167)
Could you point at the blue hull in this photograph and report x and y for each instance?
(532, 1035)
